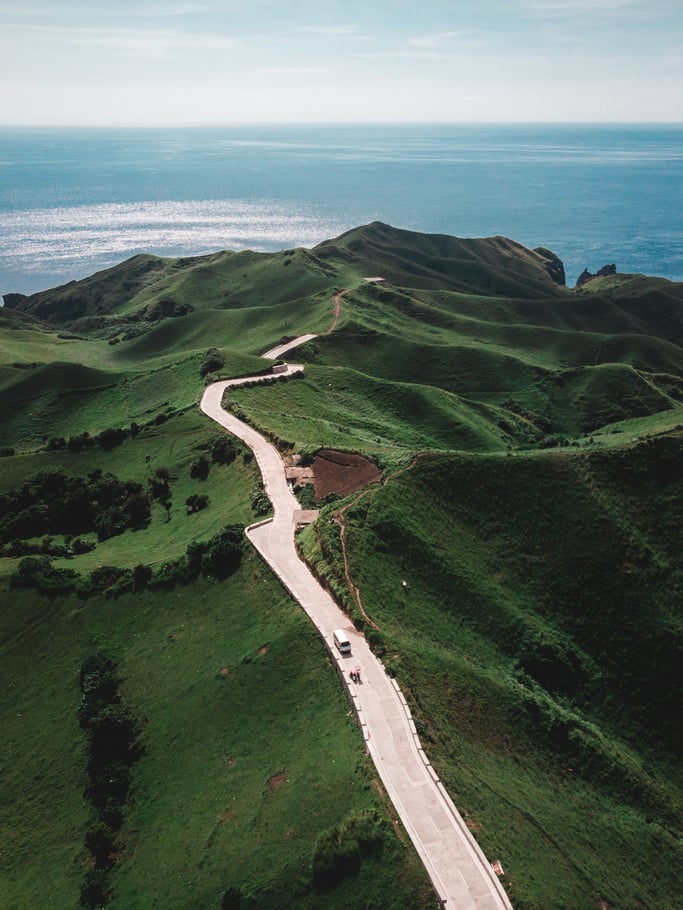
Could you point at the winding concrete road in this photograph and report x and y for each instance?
(462, 876)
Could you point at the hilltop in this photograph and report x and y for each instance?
(513, 556)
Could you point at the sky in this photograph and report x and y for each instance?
(241, 61)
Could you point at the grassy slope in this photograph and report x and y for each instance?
(543, 670)
(202, 815)
(204, 742)
(424, 362)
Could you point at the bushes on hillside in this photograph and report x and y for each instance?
(196, 502)
(222, 450)
(339, 852)
(213, 360)
(199, 469)
(260, 503)
(38, 572)
(57, 503)
(217, 557)
(113, 749)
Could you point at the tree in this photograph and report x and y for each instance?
(223, 450)
(213, 360)
(94, 889)
(99, 839)
(199, 469)
(224, 552)
(196, 503)
(141, 576)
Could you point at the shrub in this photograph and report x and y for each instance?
(222, 450)
(169, 573)
(109, 782)
(213, 360)
(376, 642)
(199, 469)
(223, 552)
(196, 503)
(79, 546)
(142, 575)
(93, 892)
(99, 839)
(111, 813)
(105, 577)
(113, 731)
(111, 437)
(260, 503)
(38, 572)
(338, 853)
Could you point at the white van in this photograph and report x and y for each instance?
(341, 640)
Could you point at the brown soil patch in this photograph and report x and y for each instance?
(225, 671)
(227, 816)
(290, 834)
(263, 649)
(342, 472)
(276, 780)
(232, 762)
(473, 825)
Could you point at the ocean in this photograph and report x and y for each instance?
(73, 201)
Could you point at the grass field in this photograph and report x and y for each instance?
(224, 795)
(530, 438)
(521, 645)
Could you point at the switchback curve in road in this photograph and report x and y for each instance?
(462, 876)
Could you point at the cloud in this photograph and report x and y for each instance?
(569, 7)
(330, 31)
(438, 38)
(122, 40)
(149, 11)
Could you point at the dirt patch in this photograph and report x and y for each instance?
(290, 834)
(276, 780)
(342, 472)
(227, 816)
(224, 671)
(232, 762)
(263, 649)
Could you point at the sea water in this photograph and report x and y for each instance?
(73, 201)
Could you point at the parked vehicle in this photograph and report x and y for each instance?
(341, 640)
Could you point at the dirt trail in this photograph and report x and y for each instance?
(337, 310)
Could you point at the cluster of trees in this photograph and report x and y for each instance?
(107, 439)
(113, 749)
(217, 557)
(56, 503)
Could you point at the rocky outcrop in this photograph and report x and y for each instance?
(552, 264)
(601, 273)
(12, 300)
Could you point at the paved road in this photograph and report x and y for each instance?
(460, 873)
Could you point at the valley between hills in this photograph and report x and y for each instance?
(176, 735)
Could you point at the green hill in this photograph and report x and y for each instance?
(519, 570)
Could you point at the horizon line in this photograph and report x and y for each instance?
(308, 123)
